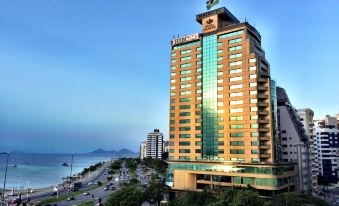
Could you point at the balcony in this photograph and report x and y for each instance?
(264, 129)
(264, 121)
(262, 80)
(264, 146)
(263, 112)
(267, 155)
(262, 88)
(264, 138)
(262, 96)
(263, 104)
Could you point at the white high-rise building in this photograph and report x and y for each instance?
(155, 141)
(306, 117)
(294, 141)
(326, 144)
(143, 150)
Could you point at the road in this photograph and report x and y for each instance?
(100, 175)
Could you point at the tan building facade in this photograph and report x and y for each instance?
(222, 109)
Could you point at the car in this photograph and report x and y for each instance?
(113, 188)
(90, 183)
(111, 183)
(70, 198)
(15, 201)
(86, 193)
(105, 188)
(54, 193)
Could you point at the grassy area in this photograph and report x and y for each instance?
(64, 197)
(89, 203)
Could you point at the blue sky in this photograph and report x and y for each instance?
(81, 75)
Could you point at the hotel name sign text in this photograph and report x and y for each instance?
(185, 39)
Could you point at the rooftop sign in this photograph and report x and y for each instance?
(185, 39)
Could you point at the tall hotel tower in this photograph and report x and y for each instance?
(223, 123)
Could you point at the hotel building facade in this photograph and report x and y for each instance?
(223, 110)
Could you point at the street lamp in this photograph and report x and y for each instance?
(70, 177)
(4, 187)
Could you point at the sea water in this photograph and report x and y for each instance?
(43, 170)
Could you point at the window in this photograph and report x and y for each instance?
(185, 107)
(253, 84)
(253, 101)
(220, 104)
(199, 55)
(220, 151)
(221, 111)
(199, 76)
(185, 72)
(254, 143)
(183, 121)
(184, 151)
(237, 143)
(173, 61)
(185, 58)
(172, 107)
(219, 44)
(253, 68)
(235, 63)
(172, 129)
(199, 70)
(219, 51)
(185, 65)
(186, 51)
(197, 150)
(232, 79)
(237, 134)
(173, 74)
(199, 84)
(199, 91)
(198, 48)
(172, 101)
(184, 114)
(254, 109)
(233, 71)
(254, 151)
(171, 143)
(236, 94)
(236, 110)
(173, 88)
(254, 126)
(232, 56)
(220, 88)
(198, 135)
(198, 98)
(253, 76)
(185, 79)
(236, 86)
(172, 121)
(185, 92)
(219, 66)
(234, 48)
(197, 127)
(172, 80)
(252, 60)
(171, 135)
(172, 94)
(233, 41)
(220, 96)
(172, 115)
(253, 92)
(236, 102)
(237, 151)
(237, 126)
(219, 59)
(199, 62)
(185, 99)
(173, 67)
(186, 45)
(220, 73)
(221, 143)
(237, 118)
(234, 33)
(254, 134)
(171, 150)
(184, 135)
(183, 86)
(174, 54)
(184, 143)
(220, 81)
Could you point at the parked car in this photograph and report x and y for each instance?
(70, 198)
(86, 193)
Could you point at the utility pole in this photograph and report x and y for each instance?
(70, 177)
(4, 187)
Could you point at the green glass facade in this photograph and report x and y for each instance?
(209, 100)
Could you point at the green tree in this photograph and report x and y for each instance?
(296, 199)
(127, 196)
(225, 197)
(247, 198)
(156, 191)
(193, 199)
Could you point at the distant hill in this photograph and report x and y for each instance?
(120, 153)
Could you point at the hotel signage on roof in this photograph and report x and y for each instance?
(185, 39)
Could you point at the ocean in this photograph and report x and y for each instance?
(43, 170)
